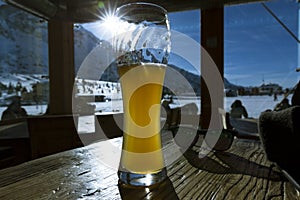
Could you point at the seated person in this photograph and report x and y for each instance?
(284, 104)
(238, 110)
(14, 110)
(280, 134)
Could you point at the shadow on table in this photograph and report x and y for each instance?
(164, 190)
(231, 164)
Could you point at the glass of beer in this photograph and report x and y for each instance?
(143, 50)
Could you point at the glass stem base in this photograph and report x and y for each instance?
(135, 179)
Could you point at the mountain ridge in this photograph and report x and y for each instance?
(24, 40)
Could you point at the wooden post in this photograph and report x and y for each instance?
(61, 66)
(212, 40)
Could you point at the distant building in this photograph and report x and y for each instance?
(269, 89)
(231, 92)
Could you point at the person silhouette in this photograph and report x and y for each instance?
(238, 110)
(14, 110)
(284, 104)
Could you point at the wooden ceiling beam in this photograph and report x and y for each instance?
(81, 11)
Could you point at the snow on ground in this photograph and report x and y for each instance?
(254, 105)
(26, 80)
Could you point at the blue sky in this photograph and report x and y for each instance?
(257, 48)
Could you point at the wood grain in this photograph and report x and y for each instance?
(242, 172)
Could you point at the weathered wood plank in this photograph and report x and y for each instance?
(223, 184)
(240, 173)
(72, 176)
(290, 192)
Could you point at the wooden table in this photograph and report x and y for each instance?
(14, 135)
(242, 172)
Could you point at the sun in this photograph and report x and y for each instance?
(110, 23)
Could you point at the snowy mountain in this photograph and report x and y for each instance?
(24, 42)
(24, 51)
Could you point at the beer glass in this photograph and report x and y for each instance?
(143, 47)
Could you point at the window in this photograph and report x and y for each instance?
(23, 60)
(104, 89)
(260, 52)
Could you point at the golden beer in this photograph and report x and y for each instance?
(142, 47)
(141, 90)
